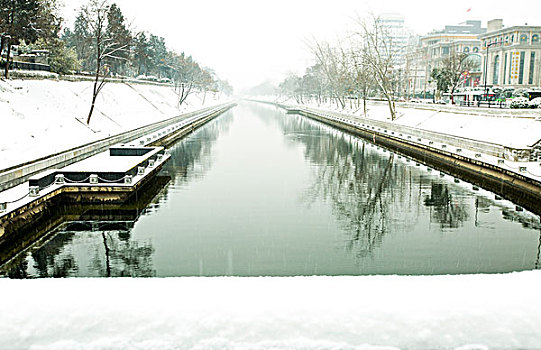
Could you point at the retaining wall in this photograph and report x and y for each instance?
(16, 175)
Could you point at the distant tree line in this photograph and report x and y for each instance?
(350, 71)
(102, 44)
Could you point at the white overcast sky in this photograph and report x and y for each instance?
(250, 41)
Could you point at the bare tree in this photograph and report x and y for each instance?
(313, 83)
(103, 46)
(455, 65)
(363, 76)
(292, 86)
(379, 56)
(332, 63)
(188, 76)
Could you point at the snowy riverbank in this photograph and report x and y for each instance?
(42, 117)
(511, 128)
(463, 312)
(473, 312)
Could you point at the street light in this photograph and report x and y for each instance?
(486, 64)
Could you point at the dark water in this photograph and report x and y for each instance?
(257, 192)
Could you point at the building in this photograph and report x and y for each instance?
(395, 30)
(511, 56)
(437, 45)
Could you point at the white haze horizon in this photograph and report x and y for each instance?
(250, 42)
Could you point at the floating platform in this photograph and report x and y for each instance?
(108, 177)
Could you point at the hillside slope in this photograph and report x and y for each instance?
(41, 117)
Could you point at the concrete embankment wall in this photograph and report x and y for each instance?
(513, 186)
(43, 117)
(40, 212)
(19, 174)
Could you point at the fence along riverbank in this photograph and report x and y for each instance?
(504, 170)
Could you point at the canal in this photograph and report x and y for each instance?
(256, 192)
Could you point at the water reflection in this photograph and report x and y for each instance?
(258, 192)
(97, 240)
(372, 194)
(448, 211)
(87, 240)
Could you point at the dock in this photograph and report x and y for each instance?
(110, 176)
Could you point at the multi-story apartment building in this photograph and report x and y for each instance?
(511, 55)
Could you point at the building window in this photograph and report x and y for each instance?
(535, 39)
(523, 38)
(504, 68)
(532, 66)
(445, 50)
(511, 68)
(476, 49)
(466, 49)
(496, 69)
(521, 67)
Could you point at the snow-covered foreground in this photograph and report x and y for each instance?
(373, 312)
(42, 117)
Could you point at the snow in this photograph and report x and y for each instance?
(461, 312)
(42, 117)
(473, 312)
(518, 131)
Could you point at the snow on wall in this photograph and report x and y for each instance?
(510, 130)
(41, 117)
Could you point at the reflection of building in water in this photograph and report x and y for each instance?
(448, 212)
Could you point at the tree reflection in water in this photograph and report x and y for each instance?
(191, 158)
(123, 257)
(371, 193)
(94, 242)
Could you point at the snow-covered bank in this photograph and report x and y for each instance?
(41, 117)
(372, 312)
(521, 131)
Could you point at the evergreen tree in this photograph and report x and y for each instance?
(141, 53)
(158, 53)
(120, 36)
(18, 21)
(79, 40)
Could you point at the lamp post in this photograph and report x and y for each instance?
(486, 69)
